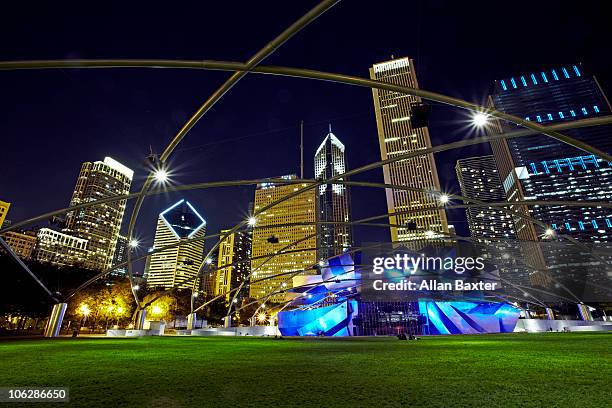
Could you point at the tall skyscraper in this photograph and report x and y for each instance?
(120, 255)
(334, 200)
(399, 133)
(176, 267)
(99, 224)
(4, 207)
(235, 249)
(491, 228)
(542, 168)
(479, 179)
(267, 239)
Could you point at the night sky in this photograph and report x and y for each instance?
(52, 121)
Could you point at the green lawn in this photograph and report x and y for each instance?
(548, 369)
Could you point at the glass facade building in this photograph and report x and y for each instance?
(542, 168)
(234, 263)
(177, 267)
(288, 230)
(414, 212)
(99, 224)
(479, 179)
(329, 161)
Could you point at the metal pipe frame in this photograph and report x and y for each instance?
(251, 67)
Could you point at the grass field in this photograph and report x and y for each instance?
(548, 369)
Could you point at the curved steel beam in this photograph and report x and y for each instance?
(303, 73)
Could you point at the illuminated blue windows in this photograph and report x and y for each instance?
(561, 115)
(581, 225)
(533, 78)
(503, 84)
(584, 111)
(550, 116)
(608, 223)
(513, 83)
(576, 71)
(572, 113)
(565, 72)
(523, 81)
(567, 226)
(596, 108)
(538, 118)
(544, 77)
(594, 224)
(555, 75)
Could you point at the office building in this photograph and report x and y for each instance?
(99, 224)
(234, 265)
(542, 168)
(479, 179)
(120, 255)
(401, 130)
(177, 267)
(22, 243)
(61, 249)
(271, 276)
(329, 161)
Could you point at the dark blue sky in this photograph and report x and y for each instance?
(52, 121)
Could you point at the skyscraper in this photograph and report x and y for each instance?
(400, 133)
(120, 255)
(299, 241)
(99, 224)
(541, 168)
(236, 250)
(329, 162)
(176, 267)
(479, 179)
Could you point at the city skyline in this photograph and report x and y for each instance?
(350, 110)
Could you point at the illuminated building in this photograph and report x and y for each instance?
(235, 250)
(541, 168)
(4, 207)
(268, 239)
(399, 133)
(333, 198)
(61, 249)
(99, 224)
(479, 179)
(22, 244)
(177, 267)
(120, 254)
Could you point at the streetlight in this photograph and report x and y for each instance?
(252, 221)
(480, 119)
(208, 261)
(133, 243)
(444, 199)
(549, 233)
(161, 175)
